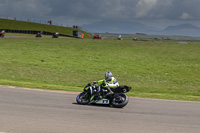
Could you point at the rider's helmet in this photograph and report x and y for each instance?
(108, 75)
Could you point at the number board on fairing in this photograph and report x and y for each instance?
(105, 101)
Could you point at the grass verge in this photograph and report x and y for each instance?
(165, 70)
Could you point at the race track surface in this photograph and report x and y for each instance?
(19, 36)
(38, 111)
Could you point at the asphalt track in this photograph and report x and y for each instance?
(38, 111)
(19, 36)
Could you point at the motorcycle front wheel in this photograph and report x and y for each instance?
(119, 100)
(83, 98)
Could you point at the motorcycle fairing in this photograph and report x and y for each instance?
(103, 101)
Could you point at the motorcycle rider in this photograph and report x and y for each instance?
(3, 32)
(57, 33)
(39, 34)
(107, 83)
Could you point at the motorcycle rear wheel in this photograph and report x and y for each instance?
(119, 100)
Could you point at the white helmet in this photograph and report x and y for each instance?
(108, 75)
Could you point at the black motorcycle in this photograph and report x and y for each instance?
(2, 35)
(96, 94)
(55, 36)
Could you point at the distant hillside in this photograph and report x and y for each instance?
(20, 25)
(182, 26)
(183, 29)
(120, 26)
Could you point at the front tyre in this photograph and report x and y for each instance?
(119, 100)
(83, 98)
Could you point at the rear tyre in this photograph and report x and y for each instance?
(119, 100)
(83, 98)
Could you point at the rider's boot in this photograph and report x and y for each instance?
(110, 92)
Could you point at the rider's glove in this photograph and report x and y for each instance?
(104, 83)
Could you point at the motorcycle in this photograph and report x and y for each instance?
(55, 36)
(2, 35)
(96, 94)
(38, 35)
(97, 36)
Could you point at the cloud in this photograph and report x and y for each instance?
(88, 11)
(144, 6)
(24, 8)
(185, 16)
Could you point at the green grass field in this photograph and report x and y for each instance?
(165, 70)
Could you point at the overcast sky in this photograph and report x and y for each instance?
(158, 13)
